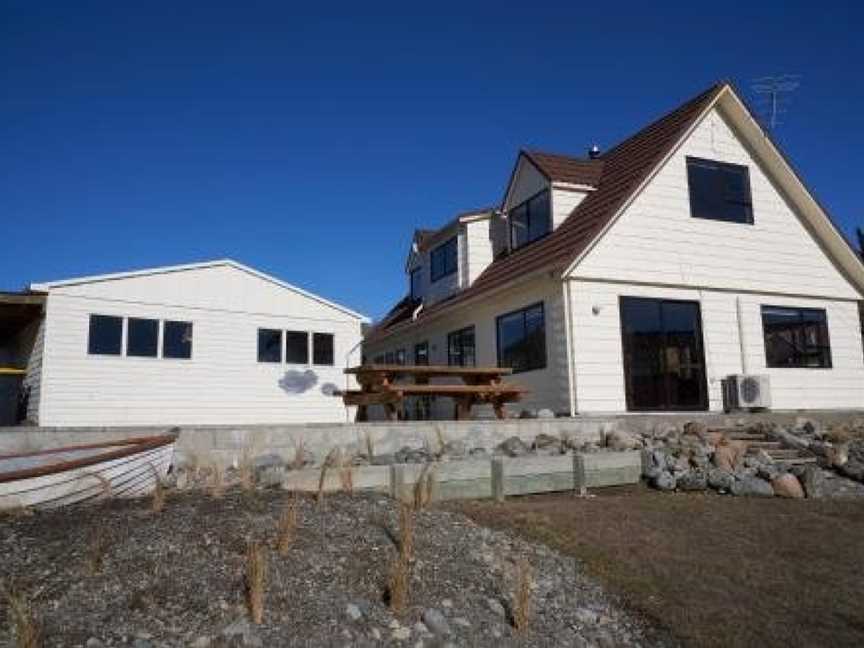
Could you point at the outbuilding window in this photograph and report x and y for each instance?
(796, 337)
(105, 336)
(322, 348)
(421, 354)
(719, 191)
(415, 284)
(522, 339)
(297, 347)
(143, 338)
(269, 345)
(445, 259)
(177, 340)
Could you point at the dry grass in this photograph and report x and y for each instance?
(22, 617)
(787, 572)
(522, 596)
(346, 472)
(322, 475)
(246, 469)
(97, 546)
(424, 487)
(104, 484)
(397, 584)
(299, 454)
(370, 447)
(407, 525)
(256, 574)
(217, 481)
(157, 501)
(287, 527)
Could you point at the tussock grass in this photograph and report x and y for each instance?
(287, 528)
(346, 472)
(299, 453)
(522, 596)
(322, 476)
(424, 487)
(407, 526)
(397, 585)
(97, 546)
(370, 447)
(157, 500)
(104, 485)
(256, 574)
(245, 469)
(22, 617)
(217, 481)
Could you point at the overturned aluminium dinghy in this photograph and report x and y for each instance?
(76, 474)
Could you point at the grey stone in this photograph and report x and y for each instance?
(720, 479)
(243, 629)
(383, 459)
(401, 634)
(479, 453)
(586, 616)
(547, 444)
(545, 414)
(201, 642)
(455, 449)
(750, 486)
(665, 481)
(354, 612)
(813, 481)
(622, 440)
(806, 425)
(141, 643)
(93, 642)
(513, 447)
(496, 607)
(768, 471)
(695, 480)
(436, 622)
(853, 469)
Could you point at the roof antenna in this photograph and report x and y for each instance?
(770, 91)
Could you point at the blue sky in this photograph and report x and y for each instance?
(309, 143)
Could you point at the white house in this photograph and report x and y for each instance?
(643, 277)
(205, 343)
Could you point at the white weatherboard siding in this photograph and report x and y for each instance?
(33, 377)
(548, 386)
(527, 182)
(564, 201)
(478, 249)
(657, 241)
(599, 357)
(223, 382)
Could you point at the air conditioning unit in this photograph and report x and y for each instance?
(746, 392)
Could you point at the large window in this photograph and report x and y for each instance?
(106, 335)
(143, 338)
(269, 345)
(796, 337)
(322, 348)
(297, 347)
(531, 220)
(177, 340)
(719, 191)
(460, 348)
(421, 354)
(522, 339)
(415, 283)
(445, 259)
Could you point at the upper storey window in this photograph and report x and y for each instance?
(415, 283)
(531, 220)
(444, 259)
(719, 191)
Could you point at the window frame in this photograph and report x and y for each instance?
(400, 356)
(163, 346)
(460, 334)
(262, 329)
(526, 204)
(824, 332)
(438, 249)
(544, 363)
(315, 337)
(305, 334)
(416, 272)
(425, 346)
(706, 162)
(120, 342)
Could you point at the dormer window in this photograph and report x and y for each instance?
(719, 191)
(531, 220)
(415, 284)
(444, 259)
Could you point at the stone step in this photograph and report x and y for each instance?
(798, 460)
(780, 455)
(765, 445)
(747, 436)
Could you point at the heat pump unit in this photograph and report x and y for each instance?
(746, 392)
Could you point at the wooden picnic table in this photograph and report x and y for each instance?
(388, 385)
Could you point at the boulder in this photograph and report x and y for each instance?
(838, 454)
(806, 425)
(513, 447)
(720, 480)
(749, 486)
(853, 469)
(768, 471)
(622, 440)
(697, 429)
(456, 449)
(547, 444)
(729, 454)
(787, 485)
(545, 414)
(269, 469)
(436, 622)
(695, 480)
(665, 481)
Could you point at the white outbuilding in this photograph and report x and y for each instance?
(204, 343)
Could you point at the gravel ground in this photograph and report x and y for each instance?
(176, 578)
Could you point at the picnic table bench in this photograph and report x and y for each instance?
(384, 385)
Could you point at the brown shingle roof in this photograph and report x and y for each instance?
(624, 168)
(562, 168)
